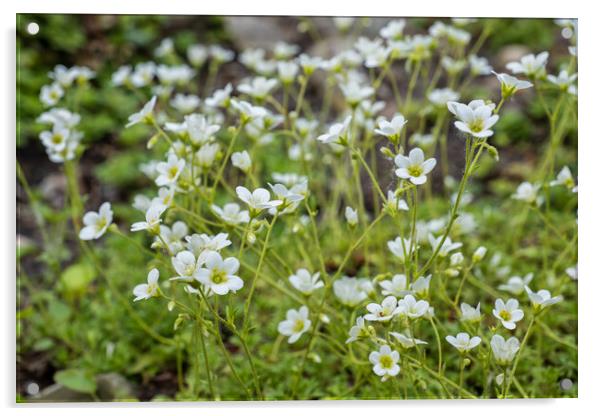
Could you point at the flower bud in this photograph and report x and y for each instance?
(479, 254)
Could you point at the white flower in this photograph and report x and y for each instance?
(186, 266)
(248, 111)
(153, 219)
(259, 88)
(220, 97)
(366, 46)
(149, 289)
(337, 133)
(452, 66)
(169, 171)
(393, 29)
(296, 324)
(441, 96)
(421, 285)
(122, 75)
(57, 139)
(357, 331)
(172, 236)
(165, 48)
(59, 117)
(62, 75)
(351, 216)
(510, 84)
(96, 223)
(391, 129)
(220, 54)
(397, 286)
(355, 93)
(290, 197)
(395, 203)
(542, 298)
(164, 197)
(185, 103)
(241, 160)
(218, 274)
(283, 50)
(406, 341)
(206, 155)
(508, 313)
(287, 71)
(350, 291)
(456, 259)
(305, 282)
(143, 74)
(174, 75)
(309, 63)
(51, 94)
(143, 116)
(516, 284)
(530, 65)
(470, 314)
(401, 248)
(377, 58)
(447, 246)
(504, 351)
(258, 200)
(476, 118)
(385, 362)
(479, 66)
(413, 167)
(565, 178)
(231, 213)
(199, 129)
(199, 243)
(564, 81)
(463, 342)
(383, 312)
(197, 54)
(572, 272)
(527, 192)
(408, 306)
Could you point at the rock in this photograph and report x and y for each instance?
(261, 32)
(58, 393)
(114, 386)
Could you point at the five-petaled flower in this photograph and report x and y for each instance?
(475, 118)
(463, 342)
(150, 288)
(385, 362)
(219, 274)
(96, 223)
(305, 282)
(508, 313)
(504, 350)
(413, 167)
(297, 322)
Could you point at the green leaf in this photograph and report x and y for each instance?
(75, 279)
(76, 379)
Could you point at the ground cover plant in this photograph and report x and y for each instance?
(382, 209)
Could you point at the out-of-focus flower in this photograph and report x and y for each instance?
(96, 223)
(297, 322)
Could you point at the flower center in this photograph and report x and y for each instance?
(415, 170)
(100, 224)
(173, 171)
(218, 276)
(188, 270)
(57, 138)
(299, 325)
(477, 125)
(505, 315)
(386, 361)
